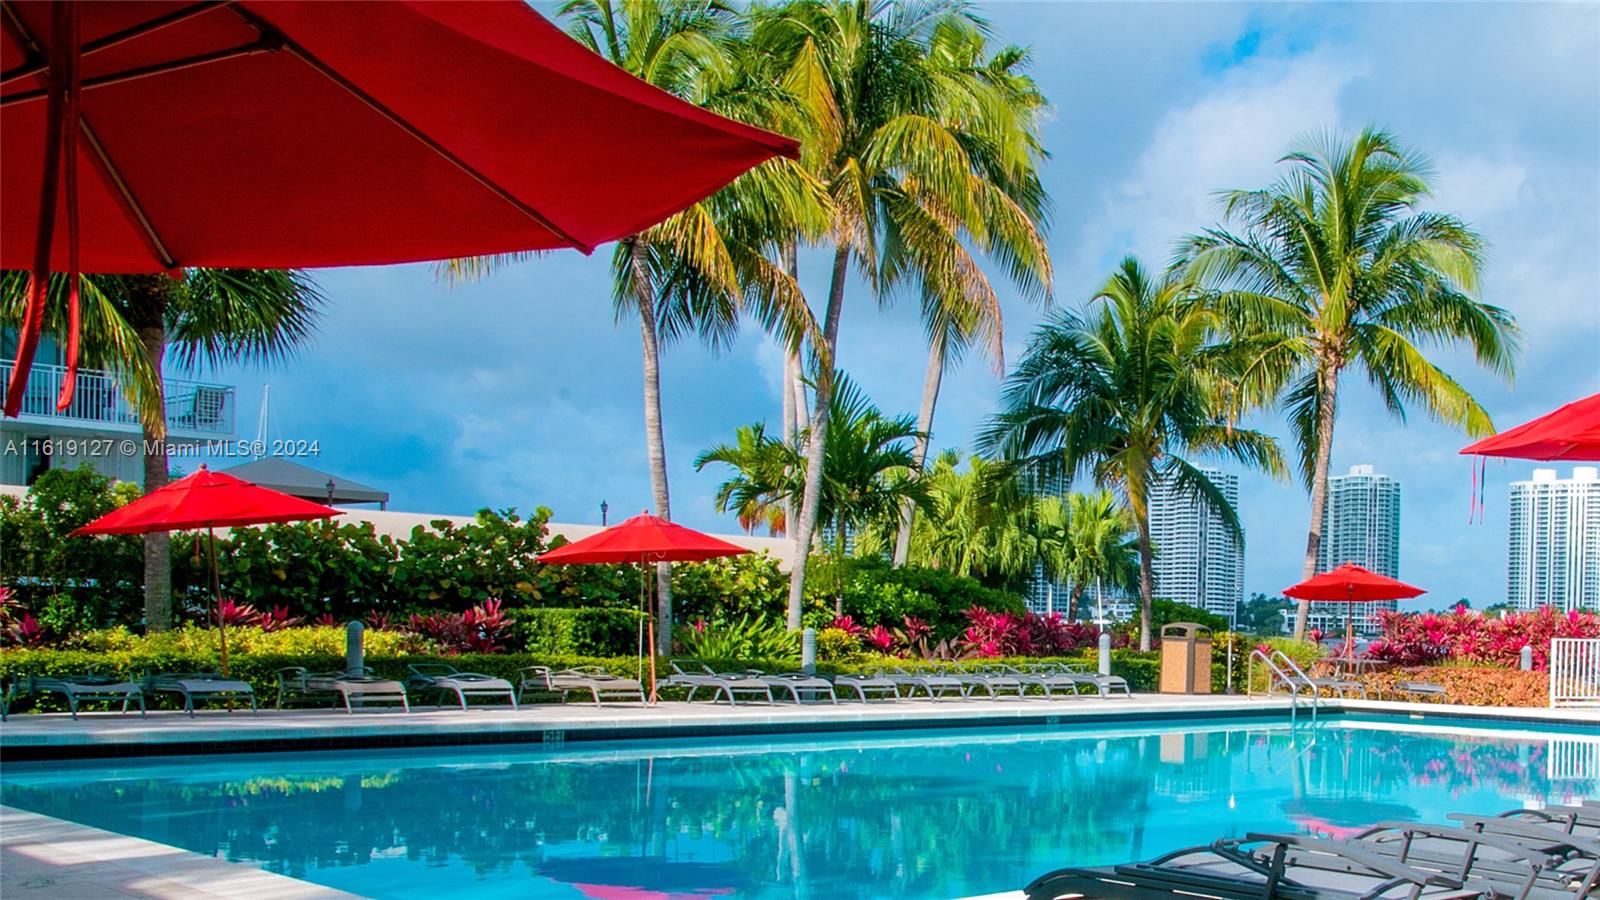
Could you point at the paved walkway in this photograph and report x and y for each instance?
(49, 858)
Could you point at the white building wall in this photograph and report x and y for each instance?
(1553, 556)
(1197, 558)
(1361, 525)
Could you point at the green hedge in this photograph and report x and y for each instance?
(577, 632)
(1140, 669)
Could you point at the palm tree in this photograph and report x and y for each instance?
(896, 135)
(694, 274)
(1100, 548)
(1336, 267)
(978, 522)
(206, 317)
(866, 477)
(1124, 395)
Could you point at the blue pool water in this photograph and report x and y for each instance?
(911, 814)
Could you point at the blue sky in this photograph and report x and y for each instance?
(522, 390)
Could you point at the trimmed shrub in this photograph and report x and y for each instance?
(1471, 685)
(728, 588)
(558, 631)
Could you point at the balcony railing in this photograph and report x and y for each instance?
(192, 406)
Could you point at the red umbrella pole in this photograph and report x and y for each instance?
(650, 613)
(216, 596)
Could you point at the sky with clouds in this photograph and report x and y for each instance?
(522, 389)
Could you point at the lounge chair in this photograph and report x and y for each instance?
(78, 688)
(1053, 684)
(1104, 685)
(865, 685)
(447, 680)
(934, 684)
(989, 679)
(1537, 864)
(1419, 690)
(1578, 868)
(296, 681)
(796, 684)
(1280, 867)
(591, 680)
(727, 684)
(197, 686)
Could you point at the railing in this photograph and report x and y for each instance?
(192, 406)
(1283, 674)
(1574, 671)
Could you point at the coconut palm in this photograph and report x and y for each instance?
(1100, 548)
(1336, 266)
(695, 273)
(1124, 395)
(866, 477)
(130, 324)
(899, 135)
(978, 521)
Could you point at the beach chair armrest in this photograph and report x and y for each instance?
(1351, 852)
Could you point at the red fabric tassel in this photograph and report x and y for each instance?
(63, 48)
(69, 128)
(1472, 494)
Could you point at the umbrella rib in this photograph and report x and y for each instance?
(36, 63)
(260, 45)
(327, 71)
(124, 193)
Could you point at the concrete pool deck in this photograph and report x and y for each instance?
(109, 734)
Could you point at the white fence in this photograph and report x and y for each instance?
(1575, 672)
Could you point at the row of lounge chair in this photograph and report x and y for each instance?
(1521, 854)
(362, 688)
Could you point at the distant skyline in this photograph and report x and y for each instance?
(521, 390)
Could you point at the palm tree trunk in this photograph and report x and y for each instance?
(793, 399)
(147, 313)
(930, 398)
(1326, 407)
(1141, 516)
(655, 441)
(1072, 602)
(812, 497)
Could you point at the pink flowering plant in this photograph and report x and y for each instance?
(1419, 639)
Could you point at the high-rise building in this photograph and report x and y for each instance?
(1198, 560)
(1554, 539)
(1360, 525)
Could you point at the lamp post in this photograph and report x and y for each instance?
(603, 508)
(330, 491)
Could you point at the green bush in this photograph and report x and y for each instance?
(837, 645)
(300, 641)
(876, 593)
(577, 632)
(723, 589)
(747, 637)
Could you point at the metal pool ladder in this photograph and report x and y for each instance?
(1283, 674)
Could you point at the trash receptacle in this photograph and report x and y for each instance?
(1185, 658)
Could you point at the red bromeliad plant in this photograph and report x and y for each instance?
(480, 629)
(277, 619)
(847, 624)
(1424, 638)
(880, 639)
(234, 614)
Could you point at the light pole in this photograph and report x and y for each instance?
(603, 508)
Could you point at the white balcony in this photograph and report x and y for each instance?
(194, 409)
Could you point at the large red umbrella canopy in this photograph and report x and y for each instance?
(1351, 583)
(296, 134)
(643, 539)
(205, 499)
(1570, 433)
(347, 133)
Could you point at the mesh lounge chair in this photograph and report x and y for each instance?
(1053, 683)
(1419, 690)
(1282, 867)
(726, 684)
(1498, 865)
(866, 685)
(796, 684)
(79, 688)
(197, 686)
(934, 684)
(1577, 855)
(1104, 685)
(991, 680)
(341, 687)
(447, 680)
(592, 680)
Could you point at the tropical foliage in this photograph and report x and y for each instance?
(1124, 394)
(1336, 266)
(1470, 636)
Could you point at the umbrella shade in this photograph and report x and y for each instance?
(1351, 583)
(1570, 433)
(205, 499)
(299, 134)
(643, 539)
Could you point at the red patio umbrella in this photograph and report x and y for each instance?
(643, 539)
(1351, 583)
(294, 134)
(208, 500)
(1570, 433)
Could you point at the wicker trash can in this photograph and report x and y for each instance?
(1185, 658)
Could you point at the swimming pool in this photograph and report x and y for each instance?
(925, 814)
